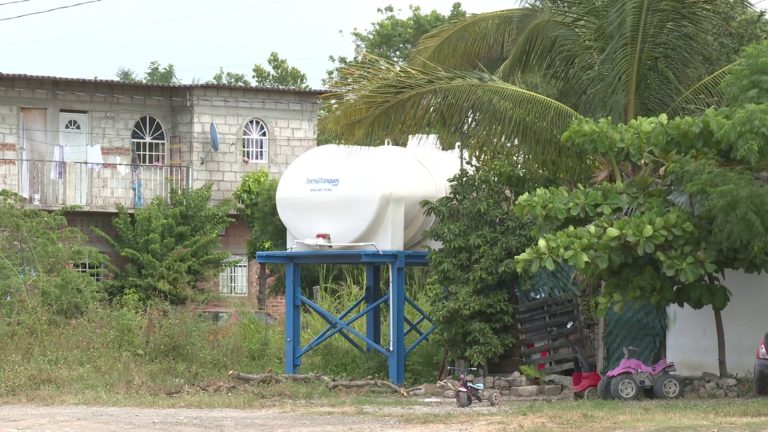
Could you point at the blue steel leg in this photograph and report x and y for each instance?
(373, 293)
(396, 358)
(292, 317)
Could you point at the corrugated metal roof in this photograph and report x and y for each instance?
(141, 84)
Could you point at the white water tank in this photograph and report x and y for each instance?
(363, 197)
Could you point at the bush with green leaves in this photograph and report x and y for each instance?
(37, 256)
(473, 277)
(256, 198)
(170, 247)
(690, 203)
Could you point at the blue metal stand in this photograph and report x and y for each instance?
(396, 298)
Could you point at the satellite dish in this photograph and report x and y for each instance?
(214, 143)
(214, 137)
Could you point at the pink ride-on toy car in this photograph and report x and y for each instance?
(629, 380)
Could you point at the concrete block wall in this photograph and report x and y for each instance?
(112, 113)
(291, 124)
(184, 112)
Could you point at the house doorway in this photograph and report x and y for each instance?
(33, 149)
(74, 134)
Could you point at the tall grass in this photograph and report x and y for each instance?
(339, 288)
(121, 350)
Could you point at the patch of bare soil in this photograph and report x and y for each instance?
(437, 417)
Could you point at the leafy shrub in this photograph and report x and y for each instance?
(169, 247)
(37, 253)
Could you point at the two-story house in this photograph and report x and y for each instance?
(94, 143)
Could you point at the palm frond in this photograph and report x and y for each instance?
(705, 94)
(477, 108)
(476, 39)
(656, 51)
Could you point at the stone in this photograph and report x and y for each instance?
(559, 379)
(515, 374)
(710, 377)
(551, 390)
(505, 392)
(501, 384)
(519, 382)
(449, 394)
(710, 386)
(727, 382)
(525, 391)
(431, 390)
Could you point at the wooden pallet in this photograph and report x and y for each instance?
(538, 346)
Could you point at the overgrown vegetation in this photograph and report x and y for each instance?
(164, 348)
(473, 282)
(676, 204)
(36, 264)
(170, 247)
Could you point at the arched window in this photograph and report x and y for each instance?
(72, 125)
(255, 138)
(148, 140)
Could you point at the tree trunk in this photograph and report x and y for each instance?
(600, 354)
(261, 298)
(721, 365)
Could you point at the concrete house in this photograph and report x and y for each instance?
(94, 143)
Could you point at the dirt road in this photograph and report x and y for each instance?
(16, 418)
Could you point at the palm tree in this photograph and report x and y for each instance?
(516, 78)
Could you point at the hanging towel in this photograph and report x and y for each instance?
(122, 168)
(93, 157)
(24, 187)
(57, 170)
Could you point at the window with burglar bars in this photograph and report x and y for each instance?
(234, 279)
(255, 136)
(148, 140)
(96, 271)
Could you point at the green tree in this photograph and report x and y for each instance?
(127, 75)
(229, 78)
(391, 38)
(155, 74)
(473, 279)
(279, 74)
(687, 202)
(479, 76)
(158, 74)
(37, 259)
(256, 198)
(170, 247)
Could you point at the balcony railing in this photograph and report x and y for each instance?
(52, 184)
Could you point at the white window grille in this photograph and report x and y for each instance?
(148, 141)
(255, 140)
(72, 125)
(234, 279)
(94, 270)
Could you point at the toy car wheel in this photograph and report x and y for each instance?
(604, 388)
(462, 399)
(590, 393)
(666, 387)
(494, 397)
(624, 387)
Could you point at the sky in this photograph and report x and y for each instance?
(93, 40)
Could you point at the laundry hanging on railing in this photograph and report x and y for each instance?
(57, 169)
(93, 157)
(24, 186)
